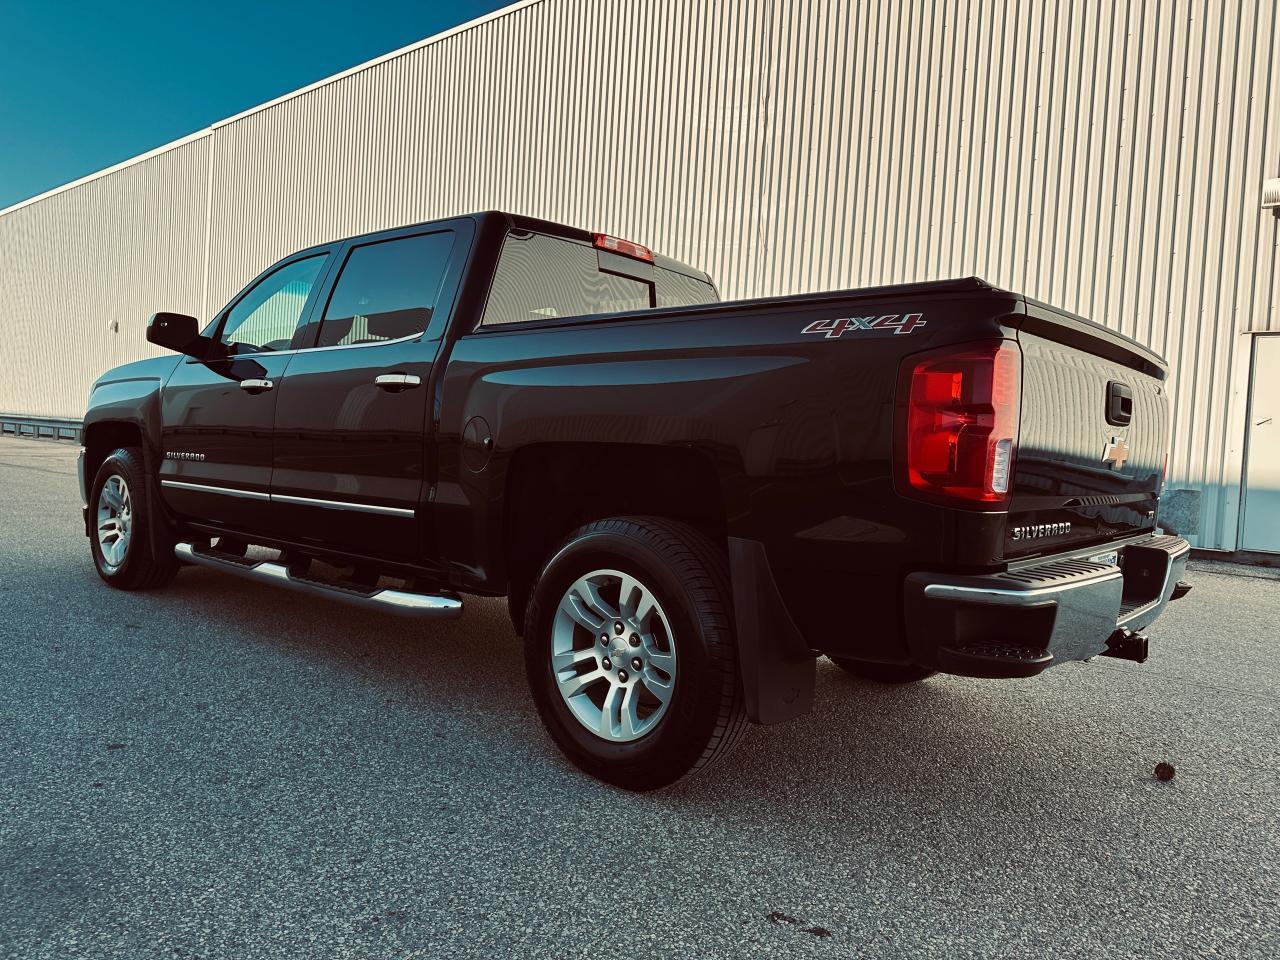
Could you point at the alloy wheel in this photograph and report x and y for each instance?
(613, 655)
(115, 521)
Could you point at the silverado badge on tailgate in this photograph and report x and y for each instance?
(1037, 530)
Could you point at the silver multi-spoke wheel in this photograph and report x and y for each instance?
(613, 655)
(115, 521)
(602, 650)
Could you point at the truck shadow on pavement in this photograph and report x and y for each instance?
(955, 740)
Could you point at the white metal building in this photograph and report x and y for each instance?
(1106, 157)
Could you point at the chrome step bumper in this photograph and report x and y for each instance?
(1018, 623)
(421, 606)
(1153, 579)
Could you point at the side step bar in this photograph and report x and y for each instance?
(421, 606)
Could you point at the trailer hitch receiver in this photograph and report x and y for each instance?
(1127, 645)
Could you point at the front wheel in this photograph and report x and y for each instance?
(630, 652)
(121, 536)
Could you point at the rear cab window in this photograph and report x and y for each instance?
(542, 277)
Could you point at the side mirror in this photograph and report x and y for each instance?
(178, 332)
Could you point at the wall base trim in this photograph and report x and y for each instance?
(40, 428)
(1250, 558)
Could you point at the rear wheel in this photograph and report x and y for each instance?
(121, 536)
(630, 652)
(883, 672)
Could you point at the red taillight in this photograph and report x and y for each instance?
(624, 247)
(958, 423)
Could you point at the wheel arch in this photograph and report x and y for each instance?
(104, 436)
(553, 488)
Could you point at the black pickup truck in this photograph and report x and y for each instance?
(685, 501)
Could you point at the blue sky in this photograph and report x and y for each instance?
(85, 85)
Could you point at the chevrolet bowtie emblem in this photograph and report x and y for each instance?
(1116, 453)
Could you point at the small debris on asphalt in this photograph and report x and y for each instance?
(778, 919)
(1164, 772)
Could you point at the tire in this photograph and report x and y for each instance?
(688, 631)
(883, 672)
(118, 501)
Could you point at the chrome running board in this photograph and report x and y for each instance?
(405, 603)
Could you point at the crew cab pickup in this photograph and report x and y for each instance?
(685, 501)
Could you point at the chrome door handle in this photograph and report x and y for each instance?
(256, 386)
(395, 382)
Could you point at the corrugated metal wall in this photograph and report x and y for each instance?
(1105, 157)
(80, 261)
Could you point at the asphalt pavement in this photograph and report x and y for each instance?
(222, 769)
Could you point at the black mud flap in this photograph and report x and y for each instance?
(778, 668)
(162, 531)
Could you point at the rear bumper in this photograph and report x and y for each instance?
(1019, 623)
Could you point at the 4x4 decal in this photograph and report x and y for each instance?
(898, 323)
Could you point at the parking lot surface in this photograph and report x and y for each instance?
(222, 769)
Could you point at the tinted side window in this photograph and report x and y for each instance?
(387, 290)
(266, 316)
(541, 277)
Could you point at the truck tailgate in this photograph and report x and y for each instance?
(1092, 441)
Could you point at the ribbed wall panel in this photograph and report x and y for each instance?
(1107, 158)
(112, 250)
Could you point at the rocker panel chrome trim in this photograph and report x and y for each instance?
(284, 498)
(342, 505)
(206, 488)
